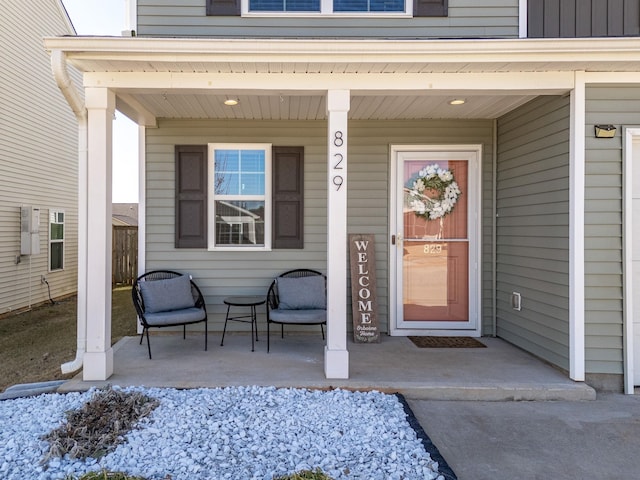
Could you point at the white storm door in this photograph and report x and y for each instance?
(435, 240)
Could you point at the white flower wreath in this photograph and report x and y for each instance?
(439, 180)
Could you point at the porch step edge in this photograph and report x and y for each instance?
(572, 393)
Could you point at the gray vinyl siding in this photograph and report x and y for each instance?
(466, 19)
(533, 228)
(221, 274)
(618, 105)
(38, 154)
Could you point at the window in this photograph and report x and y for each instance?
(349, 8)
(56, 240)
(329, 7)
(192, 195)
(240, 196)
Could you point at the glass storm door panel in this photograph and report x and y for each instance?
(434, 244)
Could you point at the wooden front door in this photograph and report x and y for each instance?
(435, 239)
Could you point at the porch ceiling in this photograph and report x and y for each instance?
(288, 79)
(313, 107)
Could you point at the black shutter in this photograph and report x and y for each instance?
(431, 8)
(223, 8)
(288, 197)
(191, 196)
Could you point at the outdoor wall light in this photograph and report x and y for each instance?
(457, 101)
(231, 102)
(605, 131)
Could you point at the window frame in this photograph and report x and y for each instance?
(212, 197)
(326, 10)
(50, 241)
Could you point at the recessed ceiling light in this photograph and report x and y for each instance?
(457, 101)
(231, 101)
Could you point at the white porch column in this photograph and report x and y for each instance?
(577, 329)
(336, 356)
(98, 359)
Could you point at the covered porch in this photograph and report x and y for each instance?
(175, 89)
(499, 372)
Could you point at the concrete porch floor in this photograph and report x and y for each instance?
(496, 373)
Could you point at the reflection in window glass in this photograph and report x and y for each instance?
(57, 252)
(368, 5)
(239, 223)
(284, 5)
(56, 240)
(239, 172)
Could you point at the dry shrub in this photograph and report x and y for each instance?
(104, 475)
(316, 474)
(101, 423)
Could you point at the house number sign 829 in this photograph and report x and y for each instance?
(337, 179)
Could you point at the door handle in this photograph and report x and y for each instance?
(396, 238)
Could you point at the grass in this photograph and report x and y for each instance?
(316, 474)
(303, 475)
(35, 343)
(104, 475)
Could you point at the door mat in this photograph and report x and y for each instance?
(447, 342)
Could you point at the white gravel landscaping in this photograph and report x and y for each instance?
(229, 433)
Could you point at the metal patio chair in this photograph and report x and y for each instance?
(164, 298)
(297, 297)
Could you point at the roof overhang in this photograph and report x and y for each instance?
(189, 78)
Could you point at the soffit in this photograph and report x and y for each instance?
(313, 107)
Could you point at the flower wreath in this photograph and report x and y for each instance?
(439, 180)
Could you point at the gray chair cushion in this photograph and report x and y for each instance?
(298, 316)
(302, 293)
(166, 295)
(174, 317)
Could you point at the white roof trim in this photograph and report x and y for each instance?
(356, 51)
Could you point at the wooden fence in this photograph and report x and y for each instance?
(125, 255)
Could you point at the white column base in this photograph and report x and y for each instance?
(97, 365)
(336, 363)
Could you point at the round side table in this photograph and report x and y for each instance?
(244, 301)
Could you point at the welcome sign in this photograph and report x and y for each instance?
(363, 288)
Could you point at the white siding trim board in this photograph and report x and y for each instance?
(523, 19)
(628, 336)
